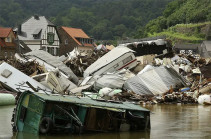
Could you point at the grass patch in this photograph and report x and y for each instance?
(192, 25)
(178, 36)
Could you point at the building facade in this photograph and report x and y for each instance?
(74, 38)
(39, 33)
(8, 46)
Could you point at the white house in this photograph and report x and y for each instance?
(37, 32)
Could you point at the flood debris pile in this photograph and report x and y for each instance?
(67, 92)
(164, 78)
(30, 68)
(117, 75)
(194, 71)
(79, 62)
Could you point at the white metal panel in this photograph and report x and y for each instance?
(107, 59)
(18, 78)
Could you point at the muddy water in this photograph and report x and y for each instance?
(167, 122)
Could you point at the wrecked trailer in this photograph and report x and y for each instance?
(115, 60)
(49, 113)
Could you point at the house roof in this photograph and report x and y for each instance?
(89, 102)
(4, 32)
(75, 33)
(32, 26)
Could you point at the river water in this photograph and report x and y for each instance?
(167, 122)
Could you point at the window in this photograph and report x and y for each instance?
(8, 39)
(50, 38)
(128, 59)
(35, 36)
(66, 42)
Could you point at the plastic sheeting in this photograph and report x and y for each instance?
(114, 80)
(154, 81)
(111, 81)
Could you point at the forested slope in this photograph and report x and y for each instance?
(102, 19)
(180, 12)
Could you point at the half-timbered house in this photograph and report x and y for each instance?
(39, 33)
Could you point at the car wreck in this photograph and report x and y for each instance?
(51, 113)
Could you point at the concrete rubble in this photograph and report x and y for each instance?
(111, 76)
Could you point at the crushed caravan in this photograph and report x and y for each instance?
(43, 113)
(115, 60)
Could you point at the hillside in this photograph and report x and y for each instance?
(182, 21)
(102, 19)
(186, 33)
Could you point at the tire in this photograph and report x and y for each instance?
(46, 125)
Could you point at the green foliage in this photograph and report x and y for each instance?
(102, 19)
(9, 12)
(156, 25)
(178, 14)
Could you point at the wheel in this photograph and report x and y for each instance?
(46, 125)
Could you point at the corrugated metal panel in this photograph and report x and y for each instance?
(136, 85)
(90, 102)
(154, 81)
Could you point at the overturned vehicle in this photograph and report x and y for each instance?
(51, 113)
